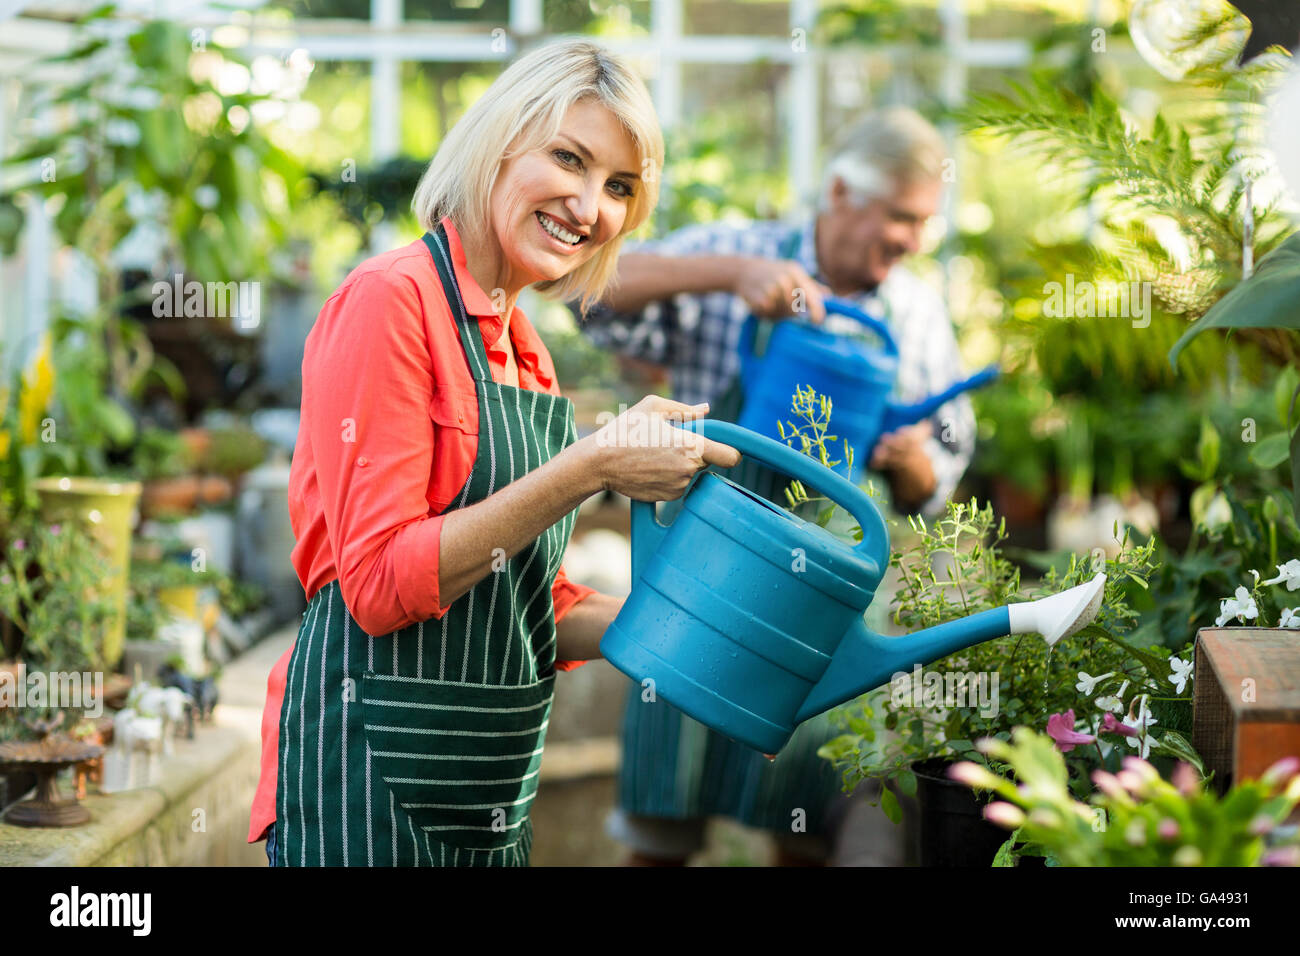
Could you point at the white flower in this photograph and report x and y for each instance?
(1114, 703)
(1180, 673)
(1290, 617)
(1241, 606)
(1087, 685)
(1290, 573)
(1141, 722)
(1218, 514)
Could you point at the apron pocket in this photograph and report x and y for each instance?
(461, 759)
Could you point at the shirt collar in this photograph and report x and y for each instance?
(475, 299)
(527, 343)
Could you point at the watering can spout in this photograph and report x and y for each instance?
(866, 660)
(898, 414)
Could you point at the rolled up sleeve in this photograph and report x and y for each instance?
(368, 384)
(565, 594)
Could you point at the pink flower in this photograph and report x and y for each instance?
(973, 775)
(1109, 784)
(1282, 856)
(1004, 814)
(19, 544)
(1111, 725)
(1186, 779)
(1167, 829)
(1060, 727)
(55, 528)
(1281, 772)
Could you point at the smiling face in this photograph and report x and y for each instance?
(553, 207)
(858, 245)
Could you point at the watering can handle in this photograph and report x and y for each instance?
(841, 307)
(782, 458)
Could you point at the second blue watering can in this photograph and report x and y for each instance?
(749, 619)
(857, 377)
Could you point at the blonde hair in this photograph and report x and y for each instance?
(882, 150)
(523, 110)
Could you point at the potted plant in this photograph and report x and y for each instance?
(1136, 817)
(165, 464)
(232, 451)
(909, 732)
(166, 618)
(52, 587)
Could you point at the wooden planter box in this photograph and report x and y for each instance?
(1246, 710)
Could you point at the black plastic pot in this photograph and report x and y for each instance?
(949, 829)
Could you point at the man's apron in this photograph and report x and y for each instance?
(422, 747)
(675, 767)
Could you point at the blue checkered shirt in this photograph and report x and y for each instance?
(696, 337)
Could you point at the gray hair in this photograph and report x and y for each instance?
(882, 150)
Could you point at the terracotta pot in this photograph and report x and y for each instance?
(170, 496)
(215, 490)
(1018, 506)
(198, 440)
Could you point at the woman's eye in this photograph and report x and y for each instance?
(564, 156)
(620, 188)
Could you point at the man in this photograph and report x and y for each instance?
(680, 303)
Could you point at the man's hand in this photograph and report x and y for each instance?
(901, 455)
(777, 289)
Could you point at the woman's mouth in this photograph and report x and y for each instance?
(558, 232)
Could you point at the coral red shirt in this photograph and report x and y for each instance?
(389, 435)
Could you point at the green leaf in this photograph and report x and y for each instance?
(1269, 299)
(1176, 745)
(1004, 856)
(1285, 390)
(1271, 452)
(907, 783)
(1207, 454)
(1157, 667)
(889, 805)
(115, 422)
(1295, 474)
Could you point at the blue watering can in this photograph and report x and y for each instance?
(857, 378)
(749, 619)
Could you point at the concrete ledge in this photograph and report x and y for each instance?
(196, 814)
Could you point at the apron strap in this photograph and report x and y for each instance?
(471, 336)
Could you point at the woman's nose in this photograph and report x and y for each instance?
(584, 204)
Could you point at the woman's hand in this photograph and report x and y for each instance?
(641, 454)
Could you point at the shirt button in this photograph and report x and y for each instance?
(363, 462)
(460, 416)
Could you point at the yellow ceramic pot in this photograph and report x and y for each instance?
(107, 510)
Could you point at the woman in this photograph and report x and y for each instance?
(436, 480)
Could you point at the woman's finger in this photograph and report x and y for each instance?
(677, 411)
(716, 453)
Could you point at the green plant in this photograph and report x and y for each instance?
(1268, 303)
(1136, 818)
(52, 590)
(233, 450)
(1243, 524)
(954, 568)
(160, 453)
(1162, 200)
(171, 149)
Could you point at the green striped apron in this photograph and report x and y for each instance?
(422, 747)
(675, 767)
